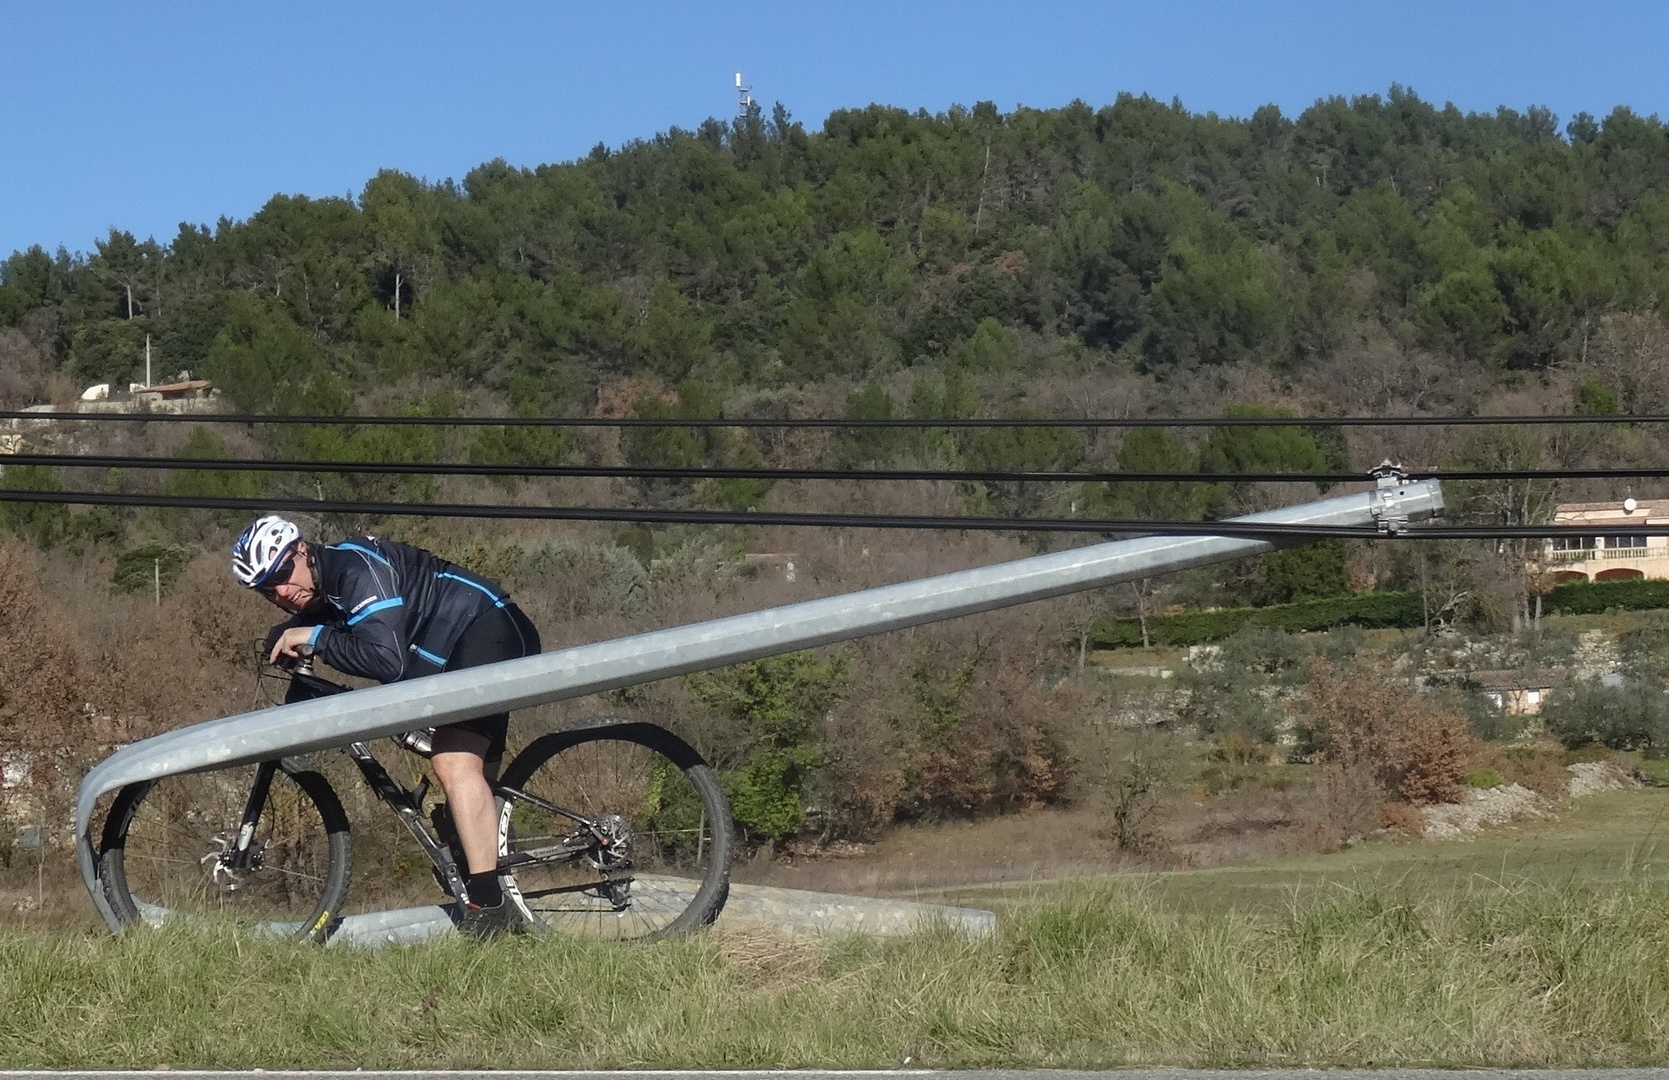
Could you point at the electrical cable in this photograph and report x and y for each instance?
(635, 472)
(1246, 529)
(248, 419)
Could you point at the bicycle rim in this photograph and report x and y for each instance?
(673, 871)
(166, 847)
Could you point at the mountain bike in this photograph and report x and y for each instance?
(613, 828)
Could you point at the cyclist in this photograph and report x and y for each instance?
(388, 611)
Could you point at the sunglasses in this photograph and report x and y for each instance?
(279, 576)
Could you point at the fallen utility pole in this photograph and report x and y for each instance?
(447, 698)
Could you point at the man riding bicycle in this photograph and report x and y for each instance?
(387, 611)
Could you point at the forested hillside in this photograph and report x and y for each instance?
(758, 254)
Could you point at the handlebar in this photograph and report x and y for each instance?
(291, 664)
(305, 685)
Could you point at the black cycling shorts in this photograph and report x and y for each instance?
(499, 633)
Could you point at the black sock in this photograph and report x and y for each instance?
(484, 890)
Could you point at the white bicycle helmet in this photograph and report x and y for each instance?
(261, 549)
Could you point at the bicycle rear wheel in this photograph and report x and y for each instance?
(166, 842)
(651, 857)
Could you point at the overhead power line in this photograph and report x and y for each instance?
(669, 472)
(830, 423)
(1257, 530)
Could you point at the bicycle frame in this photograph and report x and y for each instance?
(408, 807)
(407, 803)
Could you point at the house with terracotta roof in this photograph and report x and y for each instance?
(1585, 557)
(1517, 693)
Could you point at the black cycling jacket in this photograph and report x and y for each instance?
(389, 611)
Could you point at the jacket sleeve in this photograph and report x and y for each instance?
(369, 642)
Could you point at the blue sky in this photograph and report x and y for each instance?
(143, 116)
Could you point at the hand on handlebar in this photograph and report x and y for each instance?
(291, 646)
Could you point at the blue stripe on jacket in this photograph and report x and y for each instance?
(380, 605)
(364, 551)
(497, 601)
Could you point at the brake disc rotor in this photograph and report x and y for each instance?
(614, 843)
(217, 866)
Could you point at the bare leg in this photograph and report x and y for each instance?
(463, 777)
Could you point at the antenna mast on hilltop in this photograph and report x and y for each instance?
(744, 98)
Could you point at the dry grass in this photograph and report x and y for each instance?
(1036, 845)
(1319, 814)
(770, 959)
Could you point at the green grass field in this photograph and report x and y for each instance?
(1545, 944)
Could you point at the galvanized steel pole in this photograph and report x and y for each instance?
(608, 665)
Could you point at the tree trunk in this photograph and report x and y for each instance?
(1425, 597)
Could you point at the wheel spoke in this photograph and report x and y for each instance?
(173, 855)
(641, 872)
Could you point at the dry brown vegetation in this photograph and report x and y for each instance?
(1376, 725)
(28, 373)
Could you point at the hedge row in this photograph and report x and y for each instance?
(1375, 609)
(1591, 598)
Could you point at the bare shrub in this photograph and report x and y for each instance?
(1318, 815)
(45, 735)
(1631, 356)
(1402, 816)
(1374, 375)
(1125, 775)
(984, 734)
(224, 622)
(1132, 803)
(154, 666)
(1539, 768)
(26, 371)
(1369, 721)
(40, 676)
(944, 722)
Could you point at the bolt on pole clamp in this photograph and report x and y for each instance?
(1387, 509)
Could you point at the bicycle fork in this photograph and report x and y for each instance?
(235, 857)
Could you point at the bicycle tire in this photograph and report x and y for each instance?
(677, 874)
(156, 856)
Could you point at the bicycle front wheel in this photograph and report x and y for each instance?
(616, 830)
(169, 851)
